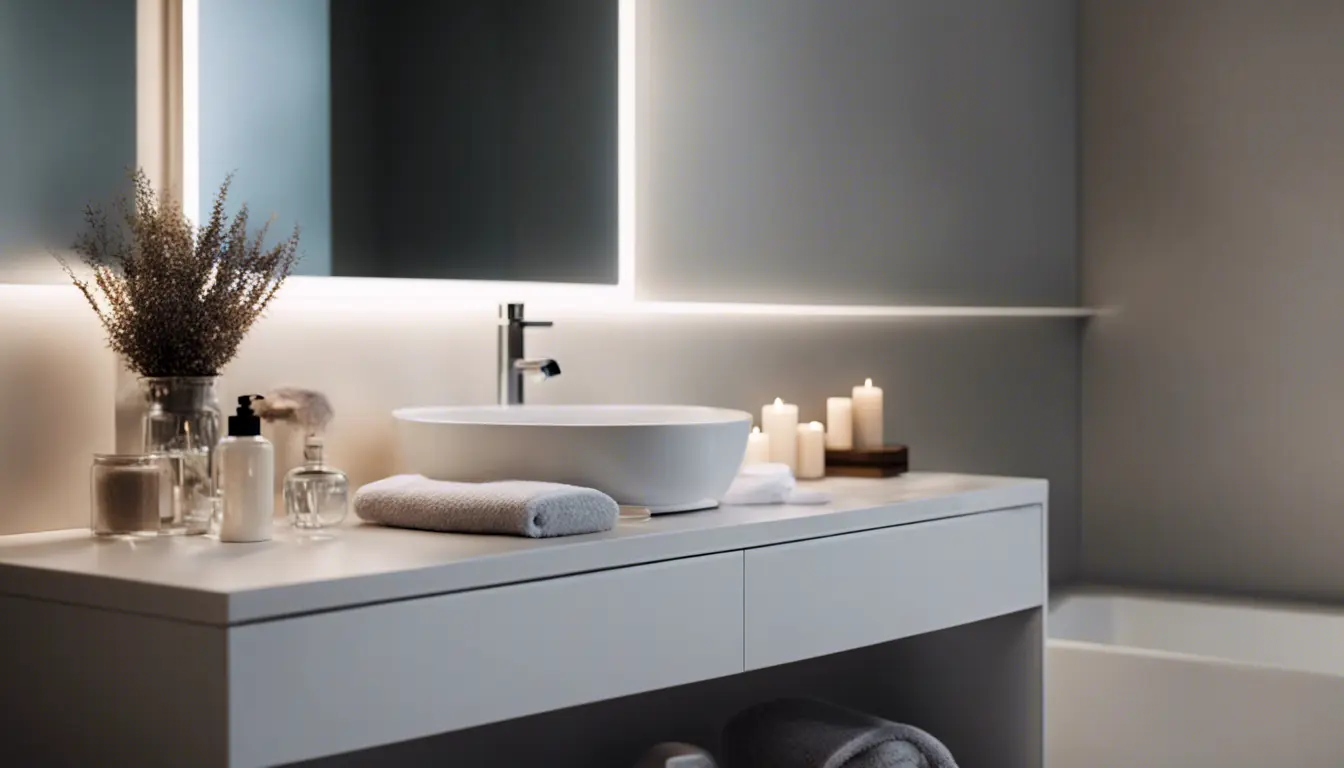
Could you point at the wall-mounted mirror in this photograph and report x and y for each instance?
(67, 123)
(472, 139)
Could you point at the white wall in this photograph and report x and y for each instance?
(1213, 188)
(995, 396)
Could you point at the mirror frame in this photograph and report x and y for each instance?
(168, 149)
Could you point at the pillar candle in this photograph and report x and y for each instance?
(758, 447)
(779, 421)
(868, 416)
(811, 451)
(839, 424)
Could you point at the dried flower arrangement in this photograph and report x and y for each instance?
(176, 300)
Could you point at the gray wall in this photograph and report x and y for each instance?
(864, 151)
(67, 123)
(883, 152)
(1213, 222)
(265, 113)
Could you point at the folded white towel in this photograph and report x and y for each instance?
(517, 507)
(770, 484)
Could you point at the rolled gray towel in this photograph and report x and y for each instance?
(516, 507)
(676, 754)
(803, 733)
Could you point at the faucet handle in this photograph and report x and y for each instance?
(512, 314)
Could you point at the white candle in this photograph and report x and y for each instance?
(758, 447)
(811, 451)
(779, 421)
(839, 424)
(868, 416)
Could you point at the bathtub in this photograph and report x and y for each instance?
(1143, 681)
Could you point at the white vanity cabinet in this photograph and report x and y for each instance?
(917, 597)
(838, 593)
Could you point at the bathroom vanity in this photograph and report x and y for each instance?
(918, 598)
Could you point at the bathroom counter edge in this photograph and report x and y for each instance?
(198, 580)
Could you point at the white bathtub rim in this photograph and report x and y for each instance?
(1193, 598)
(1188, 658)
(1257, 605)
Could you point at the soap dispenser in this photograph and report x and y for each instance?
(245, 476)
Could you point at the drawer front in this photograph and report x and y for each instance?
(336, 682)
(826, 595)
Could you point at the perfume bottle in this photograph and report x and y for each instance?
(316, 496)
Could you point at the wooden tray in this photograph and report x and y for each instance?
(890, 461)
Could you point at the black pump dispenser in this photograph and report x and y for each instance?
(245, 423)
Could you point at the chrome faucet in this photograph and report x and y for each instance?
(513, 363)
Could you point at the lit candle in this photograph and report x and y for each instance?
(758, 447)
(839, 424)
(811, 451)
(779, 421)
(867, 416)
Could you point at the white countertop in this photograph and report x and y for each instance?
(197, 579)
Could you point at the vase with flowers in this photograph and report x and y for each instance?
(176, 300)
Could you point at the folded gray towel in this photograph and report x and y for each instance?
(517, 507)
(803, 733)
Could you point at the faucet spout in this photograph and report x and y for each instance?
(513, 361)
(540, 370)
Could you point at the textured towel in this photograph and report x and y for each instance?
(770, 484)
(802, 733)
(517, 507)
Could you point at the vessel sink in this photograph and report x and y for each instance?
(669, 458)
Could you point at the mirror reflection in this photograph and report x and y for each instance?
(67, 123)
(473, 139)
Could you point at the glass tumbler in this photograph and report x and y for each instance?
(130, 494)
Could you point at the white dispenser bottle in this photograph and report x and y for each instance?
(245, 476)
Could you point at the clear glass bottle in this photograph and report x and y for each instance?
(316, 496)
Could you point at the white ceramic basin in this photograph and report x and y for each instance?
(669, 458)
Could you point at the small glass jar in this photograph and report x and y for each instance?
(130, 494)
(316, 496)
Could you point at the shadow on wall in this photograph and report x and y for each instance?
(55, 382)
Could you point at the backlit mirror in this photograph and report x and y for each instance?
(67, 123)
(469, 140)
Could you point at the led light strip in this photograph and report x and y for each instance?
(191, 109)
(673, 308)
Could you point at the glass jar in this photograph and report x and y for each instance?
(182, 422)
(316, 496)
(130, 494)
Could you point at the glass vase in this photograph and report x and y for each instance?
(182, 421)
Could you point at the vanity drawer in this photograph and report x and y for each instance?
(834, 594)
(335, 682)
